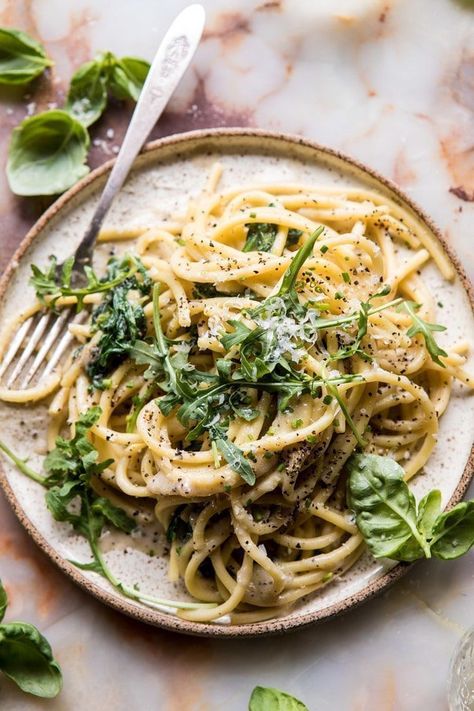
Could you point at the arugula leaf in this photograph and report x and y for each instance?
(87, 95)
(260, 237)
(26, 657)
(127, 77)
(232, 454)
(365, 311)
(291, 274)
(47, 154)
(47, 282)
(268, 699)
(206, 291)
(21, 57)
(3, 601)
(424, 329)
(384, 506)
(390, 520)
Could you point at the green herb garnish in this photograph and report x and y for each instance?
(71, 470)
(22, 58)
(49, 283)
(260, 237)
(47, 154)
(26, 656)
(269, 699)
(393, 524)
(424, 329)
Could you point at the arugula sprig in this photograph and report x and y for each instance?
(393, 524)
(72, 468)
(26, 656)
(48, 283)
(424, 329)
(182, 384)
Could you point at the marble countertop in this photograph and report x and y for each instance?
(390, 82)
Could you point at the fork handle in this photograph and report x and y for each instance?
(171, 60)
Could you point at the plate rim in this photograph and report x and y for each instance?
(153, 616)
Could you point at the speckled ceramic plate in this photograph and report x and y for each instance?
(168, 173)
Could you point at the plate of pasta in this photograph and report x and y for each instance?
(263, 414)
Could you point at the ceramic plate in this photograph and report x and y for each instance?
(167, 174)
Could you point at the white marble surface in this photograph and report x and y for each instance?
(392, 83)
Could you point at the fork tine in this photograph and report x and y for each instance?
(35, 336)
(15, 344)
(66, 339)
(44, 350)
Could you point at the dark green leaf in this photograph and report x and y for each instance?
(426, 330)
(232, 455)
(3, 601)
(87, 96)
(127, 77)
(113, 514)
(260, 237)
(239, 334)
(26, 657)
(268, 699)
(384, 506)
(297, 262)
(453, 532)
(179, 528)
(21, 57)
(47, 154)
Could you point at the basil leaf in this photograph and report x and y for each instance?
(384, 506)
(26, 657)
(21, 57)
(268, 699)
(127, 77)
(87, 96)
(3, 601)
(47, 153)
(453, 532)
(428, 511)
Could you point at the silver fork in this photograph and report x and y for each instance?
(171, 60)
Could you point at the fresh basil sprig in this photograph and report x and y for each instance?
(393, 524)
(21, 57)
(47, 154)
(26, 656)
(268, 699)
